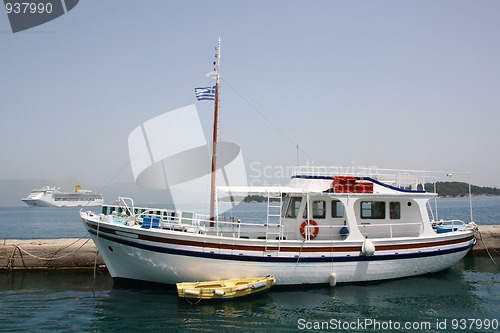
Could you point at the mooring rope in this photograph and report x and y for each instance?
(10, 264)
(96, 254)
(53, 258)
(486, 248)
(298, 257)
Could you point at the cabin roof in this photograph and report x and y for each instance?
(260, 189)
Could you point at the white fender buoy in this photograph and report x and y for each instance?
(368, 248)
(219, 292)
(242, 287)
(259, 285)
(191, 292)
(333, 279)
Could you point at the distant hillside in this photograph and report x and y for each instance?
(460, 189)
(255, 198)
(444, 189)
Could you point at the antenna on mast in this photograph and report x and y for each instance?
(297, 155)
(214, 143)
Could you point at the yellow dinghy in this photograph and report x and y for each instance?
(224, 289)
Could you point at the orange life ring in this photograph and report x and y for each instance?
(309, 227)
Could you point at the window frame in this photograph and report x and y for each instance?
(292, 205)
(375, 207)
(395, 212)
(315, 210)
(334, 207)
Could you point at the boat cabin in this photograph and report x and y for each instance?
(326, 216)
(314, 207)
(326, 207)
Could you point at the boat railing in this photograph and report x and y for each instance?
(243, 228)
(173, 219)
(390, 230)
(198, 223)
(393, 177)
(129, 207)
(333, 231)
(449, 222)
(121, 210)
(453, 225)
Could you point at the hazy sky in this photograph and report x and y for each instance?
(393, 84)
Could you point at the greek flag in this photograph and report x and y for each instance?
(205, 93)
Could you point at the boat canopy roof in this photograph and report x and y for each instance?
(259, 189)
(312, 184)
(380, 182)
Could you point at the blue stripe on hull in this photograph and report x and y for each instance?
(213, 255)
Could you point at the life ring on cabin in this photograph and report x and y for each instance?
(309, 227)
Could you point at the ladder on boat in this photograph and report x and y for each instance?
(273, 220)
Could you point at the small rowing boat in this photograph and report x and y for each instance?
(224, 289)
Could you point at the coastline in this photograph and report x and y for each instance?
(472, 195)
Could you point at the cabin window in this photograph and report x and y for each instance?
(318, 210)
(293, 207)
(337, 209)
(395, 210)
(372, 210)
(284, 206)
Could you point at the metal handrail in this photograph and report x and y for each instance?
(390, 225)
(452, 223)
(198, 223)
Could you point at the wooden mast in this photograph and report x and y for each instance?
(214, 143)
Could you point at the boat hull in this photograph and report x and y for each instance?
(172, 257)
(38, 203)
(46, 203)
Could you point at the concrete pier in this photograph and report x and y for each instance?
(63, 253)
(489, 235)
(69, 253)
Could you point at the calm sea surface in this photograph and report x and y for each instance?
(465, 298)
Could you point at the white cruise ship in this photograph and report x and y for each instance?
(52, 197)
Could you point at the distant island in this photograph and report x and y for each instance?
(460, 189)
(255, 198)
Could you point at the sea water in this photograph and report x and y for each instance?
(465, 298)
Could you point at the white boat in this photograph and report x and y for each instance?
(326, 226)
(52, 197)
(324, 234)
